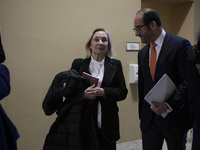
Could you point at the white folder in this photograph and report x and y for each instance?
(161, 91)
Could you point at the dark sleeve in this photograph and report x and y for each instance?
(119, 91)
(179, 98)
(54, 97)
(4, 81)
(140, 85)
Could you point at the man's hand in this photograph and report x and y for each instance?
(159, 107)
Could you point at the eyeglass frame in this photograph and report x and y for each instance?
(139, 27)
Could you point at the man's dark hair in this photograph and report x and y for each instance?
(150, 15)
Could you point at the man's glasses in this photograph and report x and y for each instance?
(139, 27)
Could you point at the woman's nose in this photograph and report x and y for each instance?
(100, 42)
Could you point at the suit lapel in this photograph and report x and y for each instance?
(109, 71)
(162, 56)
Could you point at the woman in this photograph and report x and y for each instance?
(99, 121)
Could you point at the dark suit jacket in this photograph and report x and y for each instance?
(172, 61)
(115, 90)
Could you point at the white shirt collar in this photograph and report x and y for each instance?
(160, 39)
(159, 42)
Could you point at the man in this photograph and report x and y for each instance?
(170, 57)
(193, 92)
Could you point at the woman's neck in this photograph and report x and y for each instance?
(98, 58)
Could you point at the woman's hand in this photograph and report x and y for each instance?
(99, 91)
(92, 92)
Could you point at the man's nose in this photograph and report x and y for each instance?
(137, 33)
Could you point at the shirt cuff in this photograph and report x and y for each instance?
(169, 109)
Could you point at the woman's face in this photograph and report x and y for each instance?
(99, 43)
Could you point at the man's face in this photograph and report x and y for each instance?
(141, 29)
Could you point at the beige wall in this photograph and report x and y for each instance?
(41, 38)
(182, 24)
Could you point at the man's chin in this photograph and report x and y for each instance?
(143, 41)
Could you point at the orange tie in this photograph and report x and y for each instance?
(153, 60)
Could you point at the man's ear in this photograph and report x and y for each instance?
(153, 25)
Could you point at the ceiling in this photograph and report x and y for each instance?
(168, 1)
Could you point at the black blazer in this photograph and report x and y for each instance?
(172, 61)
(115, 90)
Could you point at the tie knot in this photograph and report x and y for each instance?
(153, 45)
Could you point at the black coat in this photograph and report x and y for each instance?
(68, 130)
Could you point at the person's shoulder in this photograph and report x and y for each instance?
(183, 42)
(79, 62)
(176, 38)
(78, 59)
(3, 68)
(114, 61)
